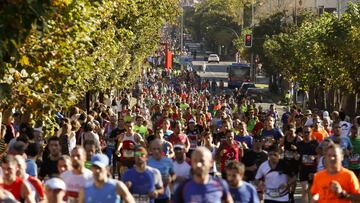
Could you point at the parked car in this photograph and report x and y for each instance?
(245, 86)
(256, 93)
(213, 58)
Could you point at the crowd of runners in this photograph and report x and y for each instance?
(173, 138)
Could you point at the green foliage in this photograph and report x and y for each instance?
(53, 52)
(323, 52)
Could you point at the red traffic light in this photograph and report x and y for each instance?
(248, 40)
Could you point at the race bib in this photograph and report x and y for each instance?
(289, 154)
(193, 144)
(273, 193)
(128, 153)
(141, 198)
(308, 160)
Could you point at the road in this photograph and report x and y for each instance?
(218, 72)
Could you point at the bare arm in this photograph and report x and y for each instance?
(27, 193)
(81, 196)
(124, 192)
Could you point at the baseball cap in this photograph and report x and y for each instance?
(55, 183)
(308, 112)
(100, 160)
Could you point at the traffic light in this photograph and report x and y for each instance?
(248, 40)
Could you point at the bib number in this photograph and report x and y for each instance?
(141, 198)
(273, 193)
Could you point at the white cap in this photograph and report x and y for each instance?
(192, 121)
(325, 114)
(55, 183)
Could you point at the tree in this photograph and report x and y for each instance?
(52, 53)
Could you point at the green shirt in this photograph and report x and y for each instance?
(354, 159)
(251, 124)
(142, 130)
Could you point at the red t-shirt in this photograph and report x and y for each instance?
(180, 139)
(231, 153)
(15, 188)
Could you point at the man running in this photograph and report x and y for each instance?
(202, 187)
(55, 191)
(78, 177)
(141, 180)
(165, 166)
(274, 177)
(335, 183)
(13, 183)
(48, 167)
(104, 189)
(240, 190)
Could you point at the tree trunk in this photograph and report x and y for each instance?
(87, 101)
(0, 120)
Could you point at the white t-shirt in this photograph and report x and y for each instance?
(157, 176)
(75, 182)
(181, 170)
(273, 180)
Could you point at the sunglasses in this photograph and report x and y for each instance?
(307, 132)
(141, 154)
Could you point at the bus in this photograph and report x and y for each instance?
(238, 73)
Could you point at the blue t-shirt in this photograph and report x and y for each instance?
(215, 191)
(246, 138)
(246, 193)
(345, 143)
(31, 168)
(275, 133)
(106, 194)
(166, 167)
(141, 184)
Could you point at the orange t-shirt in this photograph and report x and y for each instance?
(319, 135)
(322, 181)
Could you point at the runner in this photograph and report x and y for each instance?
(48, 167)
(165, 166)
(64, 164)
(193, 134)
(229, 150)
(240, 190)
(78, 177)
(274, 177)
(343, 141)
(253, 158)
(318, 132)
(55, 191)
(270, 133)
(202, 187)
(14, 184)
(243, 137)
(35, 184)
(336, 183)
(291, 156)
(126, 146)
(307, 149)
(141, 180)
(104, 189)
(354, 159)
(181, 166)
(178, 137)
